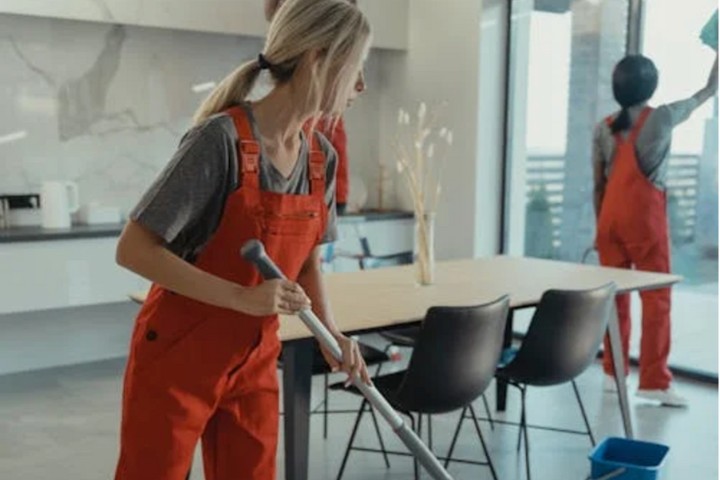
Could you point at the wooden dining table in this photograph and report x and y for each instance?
(373, 300)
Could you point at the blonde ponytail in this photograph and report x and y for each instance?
(334, 27)
(232, 90)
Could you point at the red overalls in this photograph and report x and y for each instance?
(197, 370)
(632, 231)
(338, 138)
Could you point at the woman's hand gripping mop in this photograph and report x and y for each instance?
(254, 252)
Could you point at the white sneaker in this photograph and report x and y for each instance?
(668, 397)
(609, 384)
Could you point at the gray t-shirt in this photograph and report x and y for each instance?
(653, 144)
(185, 203)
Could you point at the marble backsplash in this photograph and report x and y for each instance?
(105, 105)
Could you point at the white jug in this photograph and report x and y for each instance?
(58, 200)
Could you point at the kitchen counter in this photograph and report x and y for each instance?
(37, 234)
(374, 216)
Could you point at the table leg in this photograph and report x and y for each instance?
(297, 376)
(619, 366)
(501, 386)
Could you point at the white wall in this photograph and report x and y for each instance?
(362, 129)
(235, 17)
(517, 108)
(455, 54)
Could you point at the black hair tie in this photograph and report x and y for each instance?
(263, 62)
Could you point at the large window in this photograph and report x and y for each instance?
(562, 53)
(670, 38)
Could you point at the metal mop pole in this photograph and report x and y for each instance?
(254, 252)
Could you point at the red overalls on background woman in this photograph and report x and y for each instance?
(630, 158)
(632, 230)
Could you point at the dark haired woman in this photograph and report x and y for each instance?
(630, 158)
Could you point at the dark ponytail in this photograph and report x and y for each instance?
(622, 122)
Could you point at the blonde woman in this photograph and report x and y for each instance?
(203, 352)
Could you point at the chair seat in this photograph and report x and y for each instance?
(372, 356)
(403, 337)
(507, 356)
(388, 385)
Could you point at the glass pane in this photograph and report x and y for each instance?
(563, 53)
(562, 56)
(671, 39)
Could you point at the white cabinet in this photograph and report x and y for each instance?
(51, 274)
(385, 237)
(65, 301)
(62, 273)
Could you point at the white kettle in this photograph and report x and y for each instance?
(58, 200)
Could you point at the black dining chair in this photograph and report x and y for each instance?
(407, 337)
(562, 341)
(453, 362)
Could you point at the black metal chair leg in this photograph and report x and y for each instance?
(379, 435)
(487, 411)
(522, 419)
(415, 462)
(455, 437)
(584, 415)
(419, 432)
(482, 442)
(352, 439)
(525, 432)
(325, 408)
(430, 442)
(380, 365)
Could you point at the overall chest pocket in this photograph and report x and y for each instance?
(292, 224)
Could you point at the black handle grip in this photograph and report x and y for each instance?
(253, 251)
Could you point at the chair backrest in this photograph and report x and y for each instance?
(455, 357)
(328, 257)
(564, 336)
(392, 260)
(367, 260)
(365, 246)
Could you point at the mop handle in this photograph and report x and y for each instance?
(608, 476)
(254, 252)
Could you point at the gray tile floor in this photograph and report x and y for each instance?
(63, 424)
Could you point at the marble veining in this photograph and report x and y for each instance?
(105, 105)
(102, 105)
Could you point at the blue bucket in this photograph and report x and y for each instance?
(623, 459)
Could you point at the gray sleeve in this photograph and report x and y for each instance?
(598, 157)
(187, 189)
(331, 161)
(677, 112)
